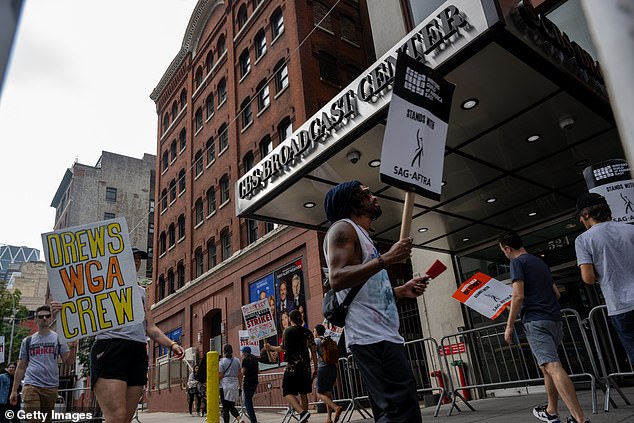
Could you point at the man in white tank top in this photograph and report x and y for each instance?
(372, 321)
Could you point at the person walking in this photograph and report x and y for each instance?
(37, 364)
(6, 383)
(249, 372)
(605, 255)
(119, 361)
(326, 377)
(192, 392)
(535, 300)
(298, 345)
(372, 322)
(229, 373)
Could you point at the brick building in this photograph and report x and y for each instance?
(247, 74)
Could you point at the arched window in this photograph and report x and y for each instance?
(328, 69)
(224, 189)
(222, 91)
(198, 163)
(171, 235)
(180, 275)
(199, 77)
(285, 128)
(221, 46)
(172, 190)
(245, 63)
(174, 109)
(182, 139)
(170, 282)
(248, 161)
(247, 113)
(199, 119)
(252, 231)
(173, 150)
(181, 181)
(266, 146)
(209, 61)
(211, 253)
(225, 244)
(198, 211)
(242, 16)
(198, 261)
(165, 161)
(210, 148)
(281, 76)
(164, 199)
(166, 121)
(223, 135)
(160, 294)
(260, 44)
(277, 23)
(209, 105)
(181, 227)
(162, 243)
(183, 98)
(321, 17)
(264, 98)
(211, 201)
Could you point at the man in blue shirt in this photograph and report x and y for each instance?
(535, 297)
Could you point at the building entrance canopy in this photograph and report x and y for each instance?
(513, 160)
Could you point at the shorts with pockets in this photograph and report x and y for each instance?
(119, 359)
(544, 337)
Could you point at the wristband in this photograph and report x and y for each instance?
(172, 344)
(381, 262)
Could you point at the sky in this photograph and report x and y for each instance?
(78, 83)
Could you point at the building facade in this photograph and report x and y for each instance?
(247, 74)
(116, 186)
(12, 256)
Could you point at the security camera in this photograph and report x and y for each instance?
(353, 156)
(566, 122)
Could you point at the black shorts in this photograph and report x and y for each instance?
(326, 378)
(297, 383)
(119, 359)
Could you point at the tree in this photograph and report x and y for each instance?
(8, 300)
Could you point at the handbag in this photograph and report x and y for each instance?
(334, 312)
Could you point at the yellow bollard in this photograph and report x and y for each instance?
(213, 388)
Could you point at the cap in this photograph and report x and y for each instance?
(246, 349)
(589, 199)
(142, 253)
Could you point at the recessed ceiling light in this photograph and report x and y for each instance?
(469, 103)
(309, 205)
(375, 163)
(465, 239)
(491, 200)
(582, 163)
(423, 229)
(570, 225)
(443, 183)
(531, 214)
(533, 138)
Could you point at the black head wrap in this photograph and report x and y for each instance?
(338, 200)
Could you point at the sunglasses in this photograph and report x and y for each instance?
(44, 316)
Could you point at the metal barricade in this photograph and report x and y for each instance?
(76, 405)
(426, 365)
(613, 363)
(495, 364)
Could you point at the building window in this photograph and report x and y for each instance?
(221, 46)
(199, 77)
(165, 161)
(181, 181)
(224, 189)
(247, 113)
(161, 288)
(164, 199)
(352, 72)
(183, 98)
(223, 134)
(248, 161)
(166, 121)
(277, 23)
(181, 227)
(252, 231)
(209, 105)
(209, 61)
(162, 243)
(266, 146)
(198, 261)
(268, 227)
(108, 215)
(173, 151)
(225, 243)
(321, 18)
(171, 235)
(170, 282)
(174, 109)
(222, 91)
(180, 275)
(260, 44)
(182, 138)
(348, 29)
(211, 200)
(211, 253)
(198, 163)
(210, 148)
(172, 190)
(111, 194)
(199, 119)
(198, 210)
(281, 76)
(263, 95)
(242, 16)
(328, 68)
(245, 63)
(285, 129)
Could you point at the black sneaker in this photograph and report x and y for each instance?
(572, 420)
(543, 415)
(304, 416)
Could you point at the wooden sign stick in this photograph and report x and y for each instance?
(408, 209)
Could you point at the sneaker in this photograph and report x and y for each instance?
(543, 415)
(572, 420)
(304, 416)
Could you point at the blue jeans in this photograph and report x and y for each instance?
(624, 325)
(248, 403)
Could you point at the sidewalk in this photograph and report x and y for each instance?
(492, 410)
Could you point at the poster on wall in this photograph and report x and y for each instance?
(257, 316)
(91, 272)
(246, 341)
(485, 295)
(289, 283)
(613, 180)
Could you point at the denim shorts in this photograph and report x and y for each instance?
(544, 337)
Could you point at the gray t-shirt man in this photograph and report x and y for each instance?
(609, 247)
(42, 370)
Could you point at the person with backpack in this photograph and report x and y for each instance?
(327, 358)
(37, 364)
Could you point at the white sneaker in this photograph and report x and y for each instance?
(543, 415)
